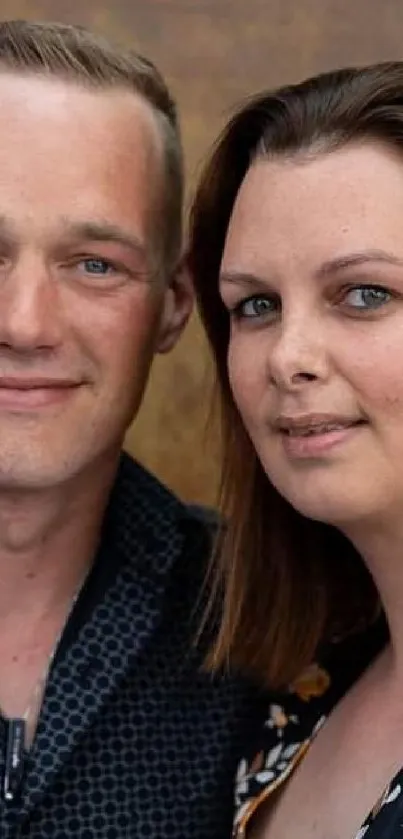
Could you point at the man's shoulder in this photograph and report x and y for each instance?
(141, 505)
(208, 516)
(135, 482)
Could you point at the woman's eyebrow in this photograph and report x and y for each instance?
(356, 259)
(241, 278)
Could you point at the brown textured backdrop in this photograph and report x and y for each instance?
(213, 53)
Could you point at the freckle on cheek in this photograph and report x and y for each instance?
(396, 402)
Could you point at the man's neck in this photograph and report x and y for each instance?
(48, 540)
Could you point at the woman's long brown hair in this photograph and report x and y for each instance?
(289, 584)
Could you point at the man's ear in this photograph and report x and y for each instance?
(177, 308)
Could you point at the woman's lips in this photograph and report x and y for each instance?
(317, 439)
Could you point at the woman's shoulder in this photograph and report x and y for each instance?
(295, 715)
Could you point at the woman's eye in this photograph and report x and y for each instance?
(367, 297)
(255, 307)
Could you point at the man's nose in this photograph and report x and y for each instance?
(299, 353)
(30, 315)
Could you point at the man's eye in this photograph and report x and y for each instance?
(367, 297)
(97, 266)
(255, 307)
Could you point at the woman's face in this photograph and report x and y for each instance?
(312, 276)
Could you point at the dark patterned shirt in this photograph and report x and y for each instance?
(134, 739)
(293, 719)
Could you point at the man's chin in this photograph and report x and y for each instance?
(29, 479)
(35, 468)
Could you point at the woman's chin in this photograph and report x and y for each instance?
(335, 506)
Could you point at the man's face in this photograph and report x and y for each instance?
(83, 307)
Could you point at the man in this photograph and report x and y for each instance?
(109, 726)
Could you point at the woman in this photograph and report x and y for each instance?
(296, 247)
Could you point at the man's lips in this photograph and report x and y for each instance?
(25, 394)
(36, 383)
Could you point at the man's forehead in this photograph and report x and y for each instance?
(110, 128)
(49, 94)
(93, 154)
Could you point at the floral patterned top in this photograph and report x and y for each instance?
(294, 718)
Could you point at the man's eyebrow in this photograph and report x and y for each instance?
(105, 231)
(355, 260)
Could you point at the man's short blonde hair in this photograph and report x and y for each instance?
(77, 54)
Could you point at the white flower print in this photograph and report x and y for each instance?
(242, 771)
(273, 756)
(265, 776)
(395, 792)
(291, 750)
